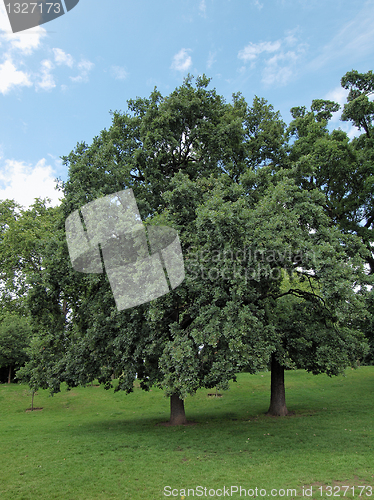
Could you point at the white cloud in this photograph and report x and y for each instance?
(46, 81)
(252, 50)
(279, 69)
(4, 21)
(280, 59)
(202, 8)
(84, 66)
(339, 95)
(11, 77)
(182, 61)
(24, 183)
(349, 129)
(258, 4)
(25, 42)
(62, 57)
(119, 72)
(17, 47)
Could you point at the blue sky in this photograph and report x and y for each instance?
(59, 81)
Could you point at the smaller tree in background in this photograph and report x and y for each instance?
(28, 237)
(23, 236)
(15, 334)
(341, 169)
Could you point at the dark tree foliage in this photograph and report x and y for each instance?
(222, 176)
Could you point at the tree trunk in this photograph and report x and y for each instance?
(177, 414)
(278, 406)
(32, 400)
(10, 374)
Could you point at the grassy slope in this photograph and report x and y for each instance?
(91, 444)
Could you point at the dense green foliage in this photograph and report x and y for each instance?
(275, 225)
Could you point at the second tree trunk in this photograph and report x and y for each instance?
(278, 406)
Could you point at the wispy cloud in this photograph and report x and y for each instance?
(24, 183)
(253, 50)
(62, 57)
(202, 8)
(182, 61)
(279, 59)
(355, 40)
(258, 4)
(46, 81)
(119, 72)
(84, 67)
(211, 59)
(280, 68)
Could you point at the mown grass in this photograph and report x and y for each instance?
(92, 444)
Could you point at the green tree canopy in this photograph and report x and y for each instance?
(214, 172)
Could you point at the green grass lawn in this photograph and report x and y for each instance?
(90, 444)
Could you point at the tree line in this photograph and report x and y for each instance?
(276, 229)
